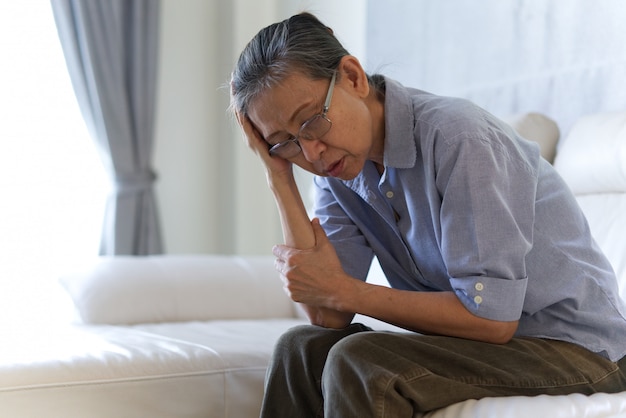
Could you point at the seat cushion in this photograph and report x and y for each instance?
(192, 369)
(599, 405)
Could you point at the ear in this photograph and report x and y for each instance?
(353, 76)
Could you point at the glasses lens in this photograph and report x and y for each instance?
(287, 149)
(315, 128)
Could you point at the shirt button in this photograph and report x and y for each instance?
(479, 286)
(389, 194)
(478, 300)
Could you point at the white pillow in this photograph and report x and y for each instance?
(592, 159)
(538, 128)
(131, 290)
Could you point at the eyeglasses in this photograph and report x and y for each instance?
(313, 128)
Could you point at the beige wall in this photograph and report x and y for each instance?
(211, 189)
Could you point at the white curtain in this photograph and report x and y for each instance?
(111, 52)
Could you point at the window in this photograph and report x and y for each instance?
(52, 182)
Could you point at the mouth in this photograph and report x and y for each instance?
(335, 169)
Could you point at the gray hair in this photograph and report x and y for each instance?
(300, 43)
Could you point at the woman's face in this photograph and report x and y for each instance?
(279, 113)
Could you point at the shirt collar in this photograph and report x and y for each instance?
(400, 148)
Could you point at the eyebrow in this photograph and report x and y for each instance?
(291, 119)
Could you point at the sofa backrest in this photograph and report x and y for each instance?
(171, 288)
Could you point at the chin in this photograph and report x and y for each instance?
(347, 176)
(351, 170)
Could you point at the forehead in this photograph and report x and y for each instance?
(279, 106)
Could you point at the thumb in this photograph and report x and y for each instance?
(320, 234)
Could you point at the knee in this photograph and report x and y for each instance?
(350, 347)
(313, 338)
(348, 356)
(293, 338)
(353, 370)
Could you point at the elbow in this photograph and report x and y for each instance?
(502, 332)
(330, 322)
(328, 318)
(331, 319)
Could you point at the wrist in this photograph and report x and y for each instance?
(279, 181)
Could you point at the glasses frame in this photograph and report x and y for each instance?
(279, 148)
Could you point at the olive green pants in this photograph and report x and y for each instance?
(356, 372)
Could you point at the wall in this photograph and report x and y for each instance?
(186, 116)
(508, 55)
(562, 58)
(211, 189)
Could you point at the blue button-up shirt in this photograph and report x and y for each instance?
(466, 205)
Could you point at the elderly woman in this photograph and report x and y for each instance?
(493, 270)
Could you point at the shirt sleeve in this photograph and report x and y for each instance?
(488, 186)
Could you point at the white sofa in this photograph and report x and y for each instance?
(190, 336)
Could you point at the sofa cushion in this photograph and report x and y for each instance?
(131, 290)
(598, 405)
(183, 370)
(538, 128)
(592, 159)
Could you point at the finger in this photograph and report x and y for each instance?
(278, 264)
(280, 252)
(253, 136)
(246, 124)
(320, 233)
(247, 127)
(239, 118)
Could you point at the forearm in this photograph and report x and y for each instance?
(426, 312)
(298, 233)
(295, 223)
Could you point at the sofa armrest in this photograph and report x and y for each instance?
(168, 288)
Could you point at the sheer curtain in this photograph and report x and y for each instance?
(111, 52)
(52, 181)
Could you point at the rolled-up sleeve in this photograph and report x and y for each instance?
(491, 297)
(487, 220)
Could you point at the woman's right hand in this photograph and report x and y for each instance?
(276, 167)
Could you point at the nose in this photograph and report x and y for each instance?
(312, 149)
